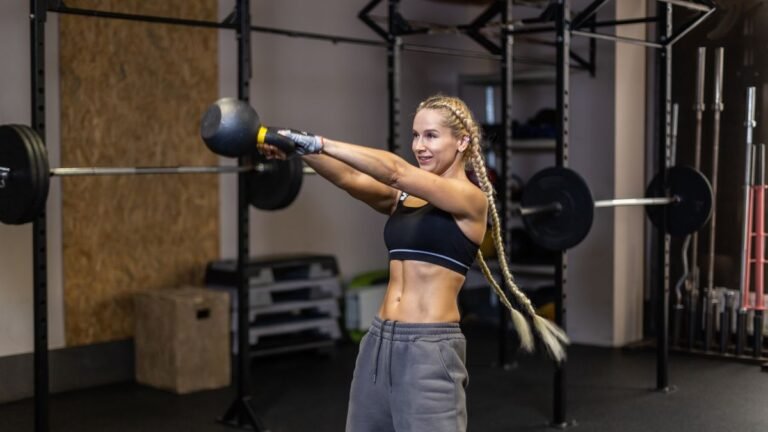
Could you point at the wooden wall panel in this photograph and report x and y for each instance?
(132, 94)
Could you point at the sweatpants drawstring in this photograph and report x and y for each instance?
(378, 350)
(391, 344)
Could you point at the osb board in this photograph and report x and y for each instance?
(132, 94)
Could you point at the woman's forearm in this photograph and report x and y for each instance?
(329, 168)
(384, 166)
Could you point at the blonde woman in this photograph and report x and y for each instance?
(410, 373)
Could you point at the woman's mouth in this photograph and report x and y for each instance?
(423, 160)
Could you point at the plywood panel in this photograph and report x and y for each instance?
(132, 94)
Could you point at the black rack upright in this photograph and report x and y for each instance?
(39, 237)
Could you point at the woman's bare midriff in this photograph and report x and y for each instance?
(421, 292)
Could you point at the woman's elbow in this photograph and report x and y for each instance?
(396, 175)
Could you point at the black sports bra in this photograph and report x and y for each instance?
(428, 234)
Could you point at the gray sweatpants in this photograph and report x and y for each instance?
(409, 378)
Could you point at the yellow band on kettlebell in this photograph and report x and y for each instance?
(261, 135)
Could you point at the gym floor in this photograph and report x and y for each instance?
(608, 390)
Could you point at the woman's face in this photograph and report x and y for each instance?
(435, 147)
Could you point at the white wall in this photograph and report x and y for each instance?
(16, 326)
(630, 97)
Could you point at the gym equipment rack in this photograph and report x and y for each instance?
(556, 18)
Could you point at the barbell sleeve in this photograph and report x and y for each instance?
(546, 208)
(4, 173)
(717, 90)
(636, 202)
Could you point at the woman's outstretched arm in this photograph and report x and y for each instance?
(359, 185)
(455, 196)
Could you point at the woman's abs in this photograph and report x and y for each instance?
(421, 292)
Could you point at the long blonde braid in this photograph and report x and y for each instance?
(461, 122)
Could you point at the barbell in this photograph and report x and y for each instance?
(557, 207)
(25, 176)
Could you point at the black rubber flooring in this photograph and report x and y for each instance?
(608, 390)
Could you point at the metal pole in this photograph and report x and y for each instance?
(673, 152)
(506, 156)
(710, 300)
(563, 39)
(618, 202)
(664, 59)
(622, 202)
(694, 295)
(746, 228)
(617, 39)
(689, 5)
(110, 171)
(241, 413)
(39, 235)
(244, 72)
(748, 180)
(717, 107)
(394, 43)
(5, 173)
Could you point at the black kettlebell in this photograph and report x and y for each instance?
(231, 128)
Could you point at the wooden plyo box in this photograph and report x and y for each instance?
(182, 339)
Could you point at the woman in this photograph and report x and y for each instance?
(410, 373)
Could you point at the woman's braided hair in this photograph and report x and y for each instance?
(458, 118)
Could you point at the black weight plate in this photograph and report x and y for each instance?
(566, 228)
(696, 201)
(276, 187)
(40, 167)
(19, 194)
(34, 171)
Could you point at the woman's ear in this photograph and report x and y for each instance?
(464, 143)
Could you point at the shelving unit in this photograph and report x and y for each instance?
(293, 302)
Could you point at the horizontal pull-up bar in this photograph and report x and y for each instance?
(210, 24)
(617, 38)
(688, 4)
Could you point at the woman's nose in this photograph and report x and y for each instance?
(417, 143)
